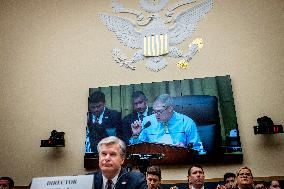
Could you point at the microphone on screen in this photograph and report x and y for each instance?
(147, 124)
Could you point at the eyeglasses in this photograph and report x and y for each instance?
(245, 174)
(160, 112)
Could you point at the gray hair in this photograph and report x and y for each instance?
(165, 99)
(110, 141)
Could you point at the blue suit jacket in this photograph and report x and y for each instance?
(111, 119)
(126, 180)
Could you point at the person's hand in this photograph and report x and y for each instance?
(220, 186)
(180, 144)
(136, 127)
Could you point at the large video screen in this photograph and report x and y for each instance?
(168, 122)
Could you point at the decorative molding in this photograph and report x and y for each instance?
(206, 180)
(152, 6)
(222, 179)
(156, 39)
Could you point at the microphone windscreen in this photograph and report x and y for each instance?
(147, 124)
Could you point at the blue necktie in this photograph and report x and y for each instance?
(166, 128)
(95, 119)
(141, 116)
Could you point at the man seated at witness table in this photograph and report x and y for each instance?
(6, 183)
(244, 178)
(153, 177)
(196, 177)
(274, 184)
(260, 185)
(112, 153)
(167, 126)
(102, 121)
(140, 110)
(229, 181)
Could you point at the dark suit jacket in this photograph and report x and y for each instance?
(126, 180)
(126, 124)
(111, 122)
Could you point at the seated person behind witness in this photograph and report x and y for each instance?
(167, 126)
(112, 152)
(6, 183)
(196, 177)
(244, 178)
(274, 184)
(102, 122)
(260, 185)
(140, 110)
(153, 177)
(229, 181)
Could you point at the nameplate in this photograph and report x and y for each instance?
(63, 182)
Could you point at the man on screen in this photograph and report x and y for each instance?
(229, 181)
(140, 110)
(102, 121)
(167, 126)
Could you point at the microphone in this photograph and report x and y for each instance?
(147, 124)
(129, 167)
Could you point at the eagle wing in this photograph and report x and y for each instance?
(124, 30)
(186, 21)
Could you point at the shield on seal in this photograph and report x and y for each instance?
(156, 45)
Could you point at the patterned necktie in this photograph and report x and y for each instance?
(109, 184)
(141, 116)
(166, 128)
(95, 119)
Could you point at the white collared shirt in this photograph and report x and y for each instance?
(100, 117)
(145, 113)
(192, 187)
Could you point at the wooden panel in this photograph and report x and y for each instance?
(138, 87)
(21, 187)
(115, 98)
(147, 90)
(225, 88)
(174, 88)
(229, 116)
(107, 92)
(172, 154)
(126, 101)
(209, 86)
(197, 87)
(185, 87)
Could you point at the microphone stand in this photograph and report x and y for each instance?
(143, 160)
